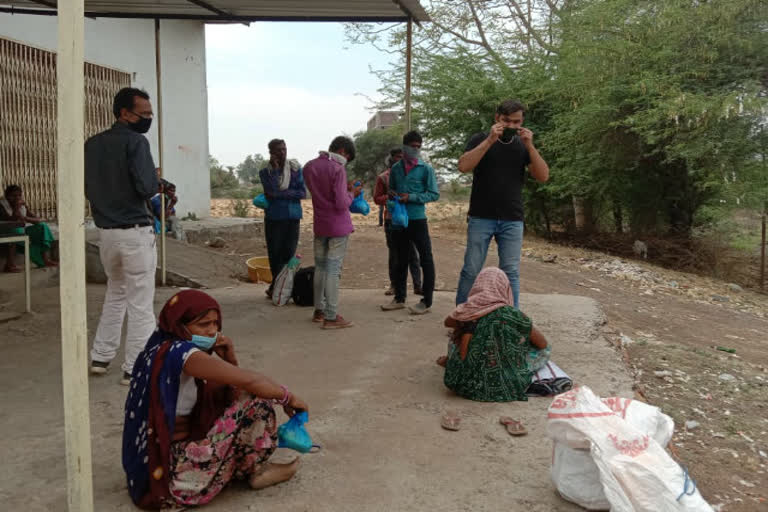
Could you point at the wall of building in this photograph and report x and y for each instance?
(129, 45)
(185, 114)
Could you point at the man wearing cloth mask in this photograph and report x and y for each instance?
(413, 182)
(380, 197)
(498, 160)
(326, 178)
(283, 185)
(120, 178)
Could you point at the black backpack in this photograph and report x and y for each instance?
(303, 287)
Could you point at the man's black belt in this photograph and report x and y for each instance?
(129, 226)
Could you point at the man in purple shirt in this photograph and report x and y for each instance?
(326, 179)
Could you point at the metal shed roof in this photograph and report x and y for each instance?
(236, 10)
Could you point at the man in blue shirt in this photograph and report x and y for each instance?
(283, 185)
(172, 222)
(413, 182)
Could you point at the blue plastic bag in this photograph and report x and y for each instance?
(157, 226)
(399, 214)
(360, 205)
(293, 435)
(261, 201)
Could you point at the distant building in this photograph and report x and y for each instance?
(383, 119)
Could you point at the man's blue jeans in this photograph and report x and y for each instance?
(509, 238)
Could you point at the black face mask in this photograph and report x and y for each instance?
(142, 125)
(508, 134)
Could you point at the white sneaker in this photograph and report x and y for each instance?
(392, 306)
(419, 309)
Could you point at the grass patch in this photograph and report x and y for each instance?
(746, 241)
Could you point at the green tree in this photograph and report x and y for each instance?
(221, 178)
(646, 111)
(657, 103)
(248, 169)
(473, 55)
(372, 149)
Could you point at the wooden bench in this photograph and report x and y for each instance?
(7, 239)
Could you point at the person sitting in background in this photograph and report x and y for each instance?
(172, 222)
(380, 197)
(14, 208)
(283, 184)
(195, 420)
(495, 349)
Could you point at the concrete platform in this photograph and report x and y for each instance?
(228, 228)
(189, 265)
(375, 397)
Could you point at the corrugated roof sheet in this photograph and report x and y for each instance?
(239, 10)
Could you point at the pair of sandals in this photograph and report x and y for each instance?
(452, 421)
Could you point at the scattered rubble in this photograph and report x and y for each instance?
(625, 340)
(217, 243)
(655, 280)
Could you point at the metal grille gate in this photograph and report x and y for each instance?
(28, 118)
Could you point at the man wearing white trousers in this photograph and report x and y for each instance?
(120, 177)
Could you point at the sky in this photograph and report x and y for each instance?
(302, 82)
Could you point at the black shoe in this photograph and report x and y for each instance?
(99, 367)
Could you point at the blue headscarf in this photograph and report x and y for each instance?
(141, 429)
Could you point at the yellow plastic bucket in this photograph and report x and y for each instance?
(258, 269)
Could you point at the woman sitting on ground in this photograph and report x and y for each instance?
(194, 420)
(494, 348)
(13, 207)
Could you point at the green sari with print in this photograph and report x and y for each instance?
(497, 367)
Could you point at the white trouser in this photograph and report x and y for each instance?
(174, 225)
(129, 257)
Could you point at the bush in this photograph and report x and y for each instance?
(241, 194)
(240, 208)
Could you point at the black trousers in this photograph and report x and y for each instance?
(417, 233)
(282, 239)
(414, 264)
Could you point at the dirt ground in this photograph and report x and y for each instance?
(668, 324)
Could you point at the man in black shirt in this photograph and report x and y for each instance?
(120, 177)
(498, 160)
